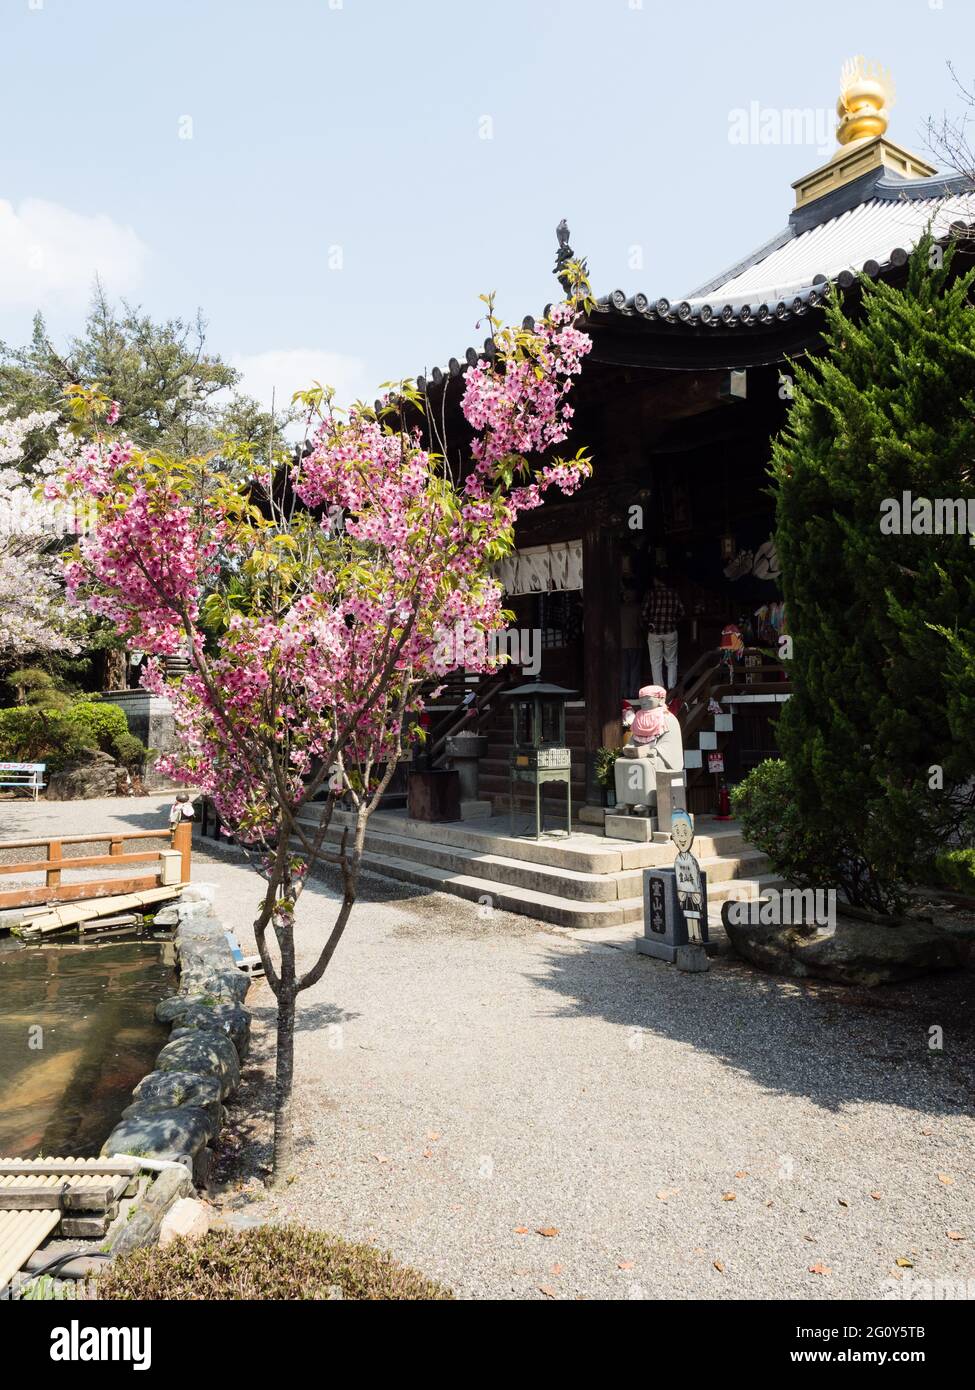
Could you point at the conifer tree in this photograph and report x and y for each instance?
(879, 733)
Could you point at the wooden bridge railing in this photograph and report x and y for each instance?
(55, 863)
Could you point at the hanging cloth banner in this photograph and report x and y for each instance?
(542, 569)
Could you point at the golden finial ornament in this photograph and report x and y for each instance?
(866, 96)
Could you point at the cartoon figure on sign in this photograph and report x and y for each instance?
(688, 873)
(690, 893)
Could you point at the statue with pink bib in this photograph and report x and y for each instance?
(649, 773)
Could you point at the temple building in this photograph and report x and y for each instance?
(677, 404)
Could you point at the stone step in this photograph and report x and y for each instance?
(587, 851)
(516, 874)
(571, 883)
(546, 907)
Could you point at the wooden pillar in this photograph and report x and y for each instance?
(52, 878)
(601, 647)
(183, 841)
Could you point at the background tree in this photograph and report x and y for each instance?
(34, 618)
(172, 392)
(876, 736)
(316, 605)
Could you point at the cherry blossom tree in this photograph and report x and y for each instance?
(34, 618)
(313, 604)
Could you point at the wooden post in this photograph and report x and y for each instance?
(601, 638)
(183, 841)
(53, 876)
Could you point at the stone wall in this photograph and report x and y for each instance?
(150, 718)
(178, 1109)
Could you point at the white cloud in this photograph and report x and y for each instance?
(287, 370)
(50, 255)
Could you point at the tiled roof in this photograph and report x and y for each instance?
(869, 232)
(870, 226)
(793, 272)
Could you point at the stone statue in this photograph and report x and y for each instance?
(655, 746)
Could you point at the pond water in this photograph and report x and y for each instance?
(63, 1089)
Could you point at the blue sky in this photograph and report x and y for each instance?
(315, 174)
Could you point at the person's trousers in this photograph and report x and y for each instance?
(632, 666)
(663, 648)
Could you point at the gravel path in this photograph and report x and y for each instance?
(464, 1084)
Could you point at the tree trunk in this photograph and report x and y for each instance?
(287, 992)
(113, 672)
(283, 1083)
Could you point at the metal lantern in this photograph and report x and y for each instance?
(539, 752)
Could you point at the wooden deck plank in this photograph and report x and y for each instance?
(21, 1232)
(33, 1167)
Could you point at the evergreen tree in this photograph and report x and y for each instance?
(878, 734)
(173, 393)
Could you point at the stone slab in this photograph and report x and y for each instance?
(639, 828)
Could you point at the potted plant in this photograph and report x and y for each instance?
(604, 765)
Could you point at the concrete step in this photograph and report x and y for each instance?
(496, 869)
(577, 879)
(589, 851)
(547, 907)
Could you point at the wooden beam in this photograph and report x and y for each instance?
(87, 861)
(97, 888)
(601, 656)
(109, 836)
(58, 1194)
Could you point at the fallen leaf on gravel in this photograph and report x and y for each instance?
(806, 1236)
(381, 1158)
(719, 1266)
(901, 1263)
(842, 1202)
(954, 1235)
(820, 1269)
(521, 1230)
(946, 1178)
(625, 1264)
(427, 1153)
(742, 1174)
(876, 1196)
(556, 1269)
(548, 1292)
(547, 1231)
(727, 1196)
(927, 1133)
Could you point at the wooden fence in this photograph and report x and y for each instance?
(56, 863)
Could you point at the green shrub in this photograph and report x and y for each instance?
(31, 734)
(809, 853)
(268, 1262)
(130, 751)
(955, 868)
(100, 723)
(603, 765)
(766, 806)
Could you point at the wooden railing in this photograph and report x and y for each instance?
(55, 863)
(467, 716)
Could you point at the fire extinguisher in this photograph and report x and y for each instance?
(724, 801)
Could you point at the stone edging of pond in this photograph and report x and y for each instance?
(178, 1108)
